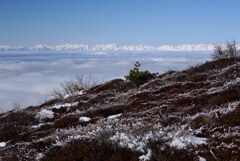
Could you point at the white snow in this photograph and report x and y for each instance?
(131, 141)
(226, 85)
(37, 126)
(233, 82)
(114, 116)
(67, 105)
(44, 113)
(230, 107)
(79, 93)
(181, 142)
(125, 140)
(201, 158)
(3, 144)
(39, 156)
(84, 119)
(41, 124)
(147, 156)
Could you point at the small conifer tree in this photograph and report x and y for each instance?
(139, 77)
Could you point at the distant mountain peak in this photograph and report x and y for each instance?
(110, 47)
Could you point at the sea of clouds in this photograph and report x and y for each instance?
(27, 79)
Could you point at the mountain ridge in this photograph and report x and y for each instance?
(110, 47)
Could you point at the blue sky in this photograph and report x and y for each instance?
(125, 22)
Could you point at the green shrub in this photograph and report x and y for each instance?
(139, 77)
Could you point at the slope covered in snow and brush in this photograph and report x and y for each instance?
(180, 115)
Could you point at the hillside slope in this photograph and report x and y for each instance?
(192, 114)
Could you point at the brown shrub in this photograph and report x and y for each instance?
(14, 124)
(66, 121)
(41, 146)
(188, 86)
(105, 112)
(228, 50)
(94, 150)
(163, 152)
(202, 100)
(181, 77)
(231, 119)
(169, 72)
(183, 102)
(39, 134)
(122, 154)
(175, 91)
(142, 95)
(229, 95)
(61, 110)
(10, 131)
(100, 97)
(202, 120)
(167, 89)
(21, 117)
(199, 77)
(217, 64)
(118, 85)
(47, 103)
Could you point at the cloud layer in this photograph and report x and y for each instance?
(28, 78)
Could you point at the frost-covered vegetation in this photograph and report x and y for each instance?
(179, 115)
(75, 86)
(228, 50)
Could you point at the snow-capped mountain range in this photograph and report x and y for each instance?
(110, 47)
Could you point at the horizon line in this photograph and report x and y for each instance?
(109, 47)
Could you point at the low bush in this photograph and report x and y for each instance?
(202, 120)
(212, 65)
(232, 118)
(13, 124)
(65, 121)
(10, 131)
(163, 152)
(116, 85)
(20, 117)
(229, 50)
(74, 86)
(93, 150)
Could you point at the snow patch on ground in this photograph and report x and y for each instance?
(146, 157)
(41, 124)
(114, 116)
(39, 156)
(67, 105)
(79, 93)
(233, 82)
(3, 144)
(182, 142)
(201, 159)
(226, 85)
(230, 107)
(37, 126)
(44, 113)
(84, 119)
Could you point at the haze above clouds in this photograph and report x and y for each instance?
(28, 78)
